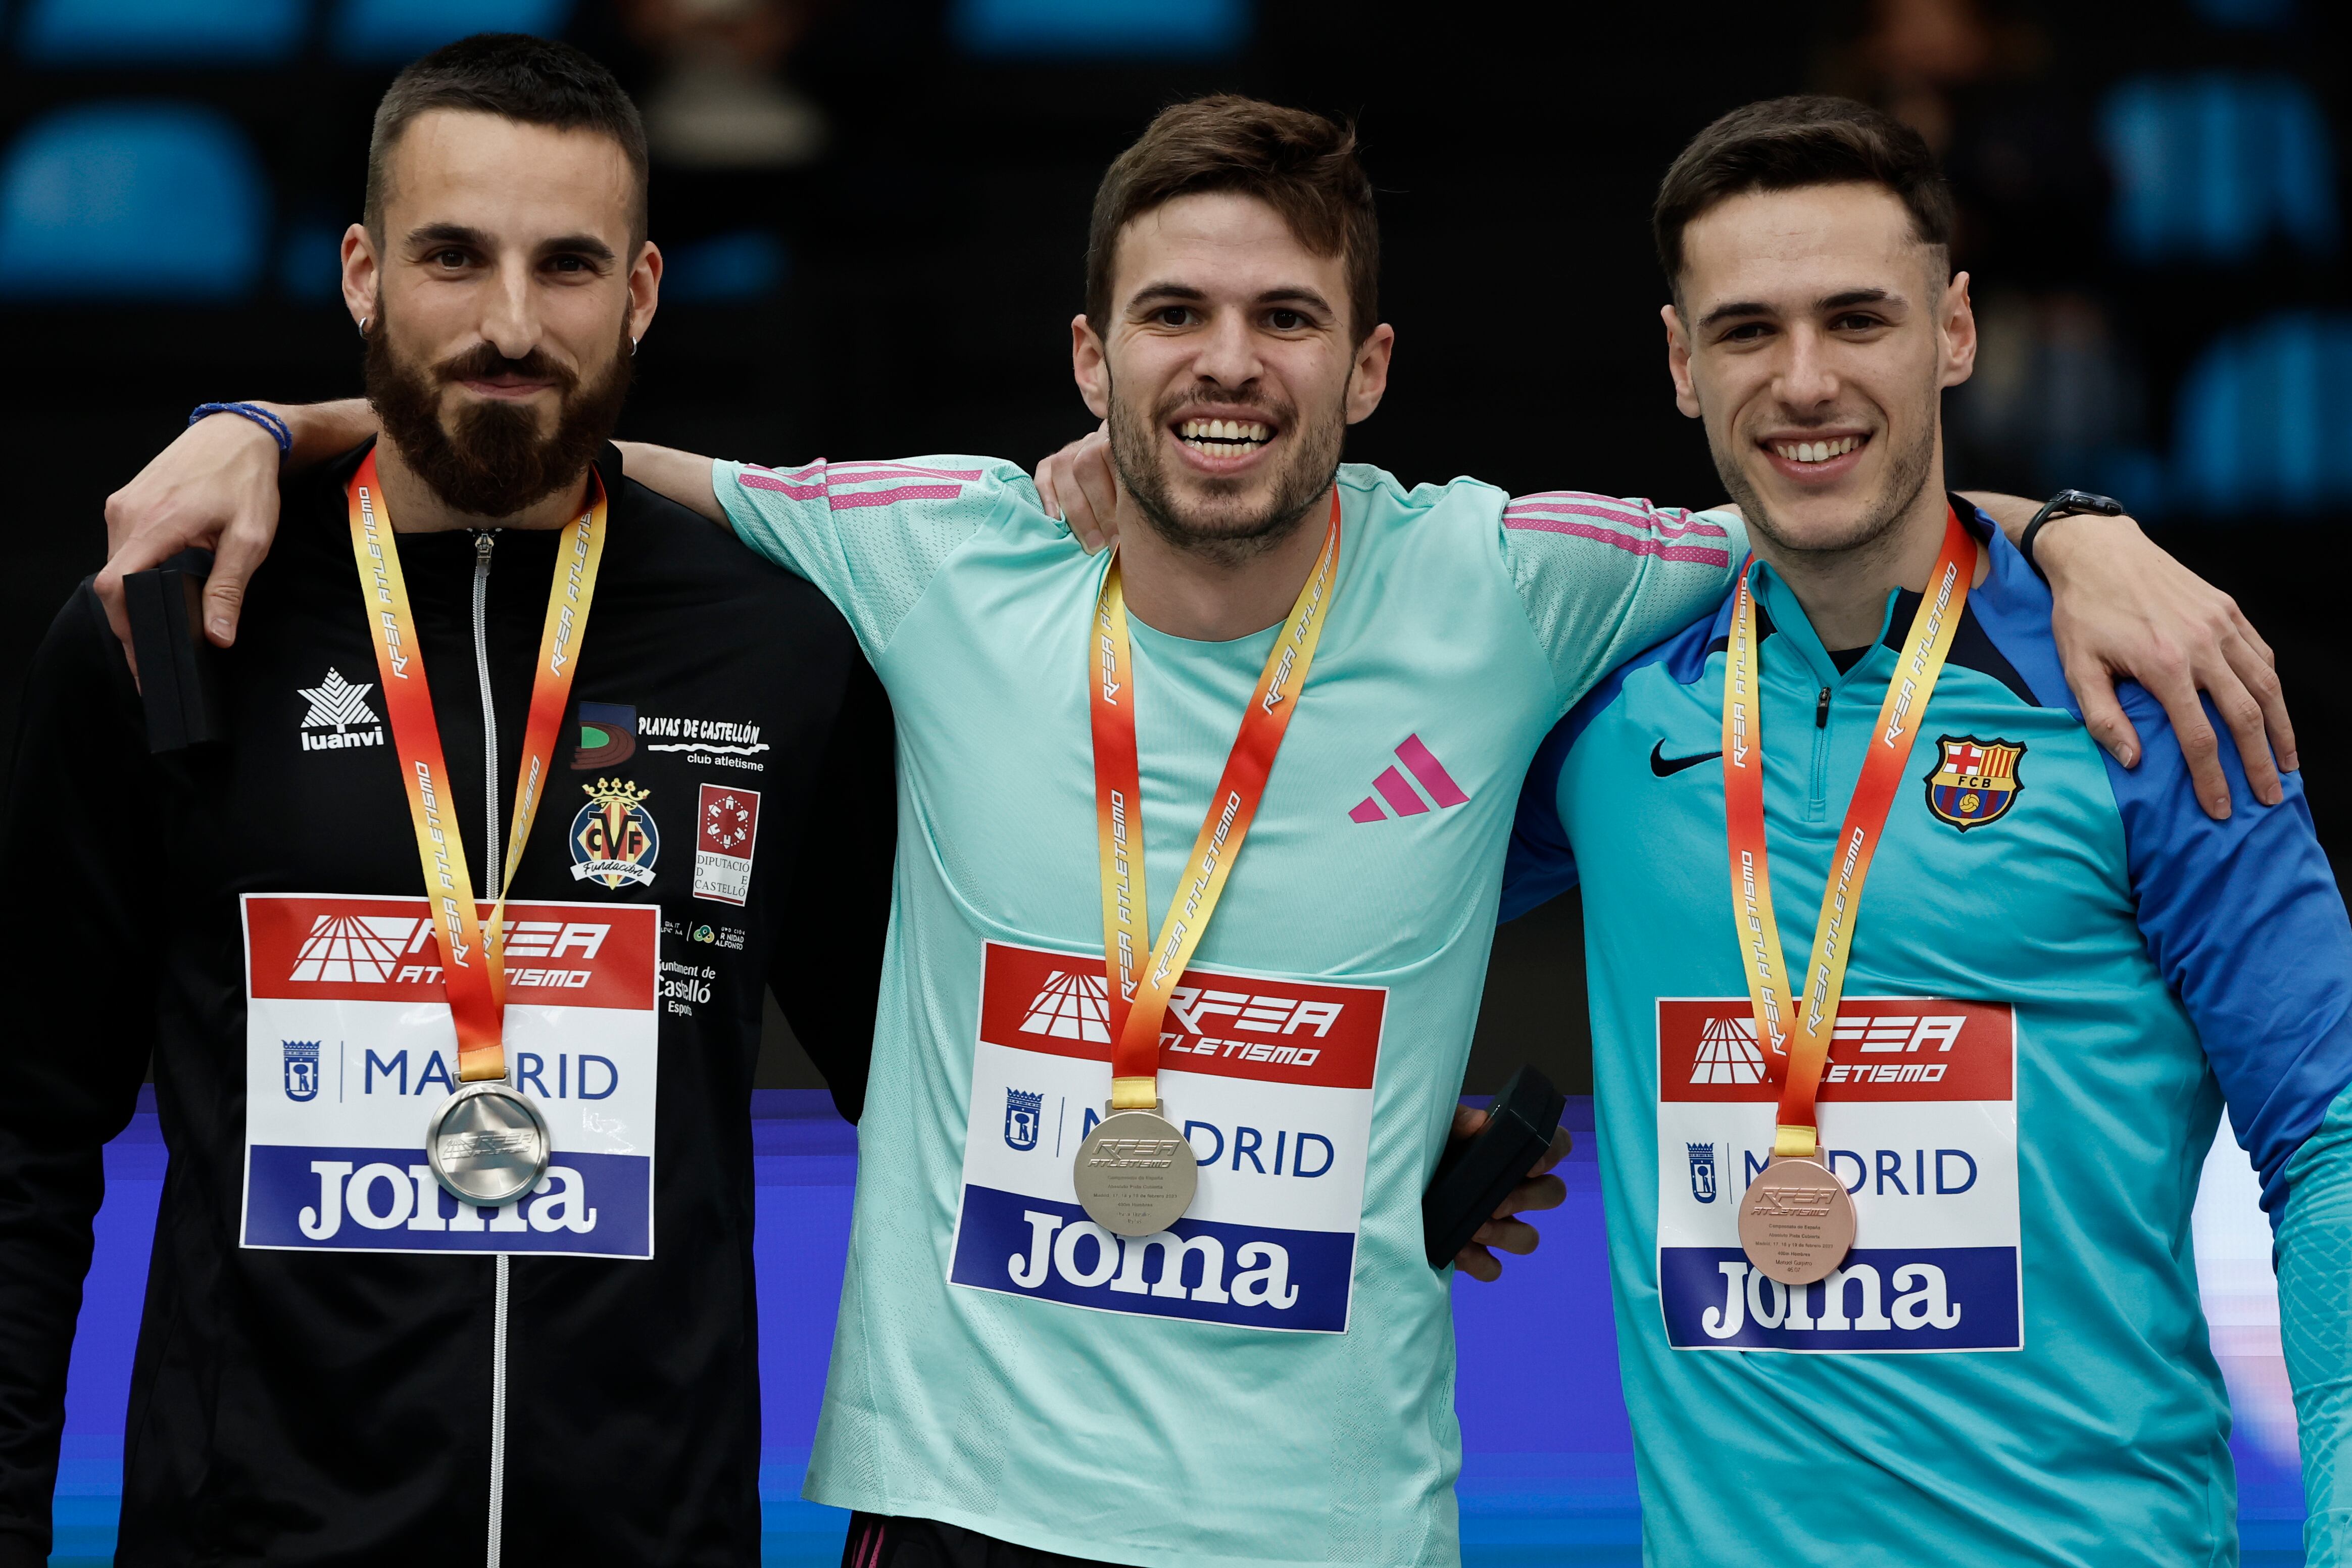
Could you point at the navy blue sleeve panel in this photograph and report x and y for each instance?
(78, 1044)
(2243, 917)
(1541, 866)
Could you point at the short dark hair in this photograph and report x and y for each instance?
(1300, 164)
(532, 81)
(1786, 143)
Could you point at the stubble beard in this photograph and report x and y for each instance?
(1906, 475)
(1227, 537)
(496, 463)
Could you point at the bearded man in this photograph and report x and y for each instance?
(353, 1351)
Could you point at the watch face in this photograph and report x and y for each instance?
(2085, 500)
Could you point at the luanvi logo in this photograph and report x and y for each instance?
(341, 709)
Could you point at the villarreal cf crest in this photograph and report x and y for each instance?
(1975, 781)
(613, 839)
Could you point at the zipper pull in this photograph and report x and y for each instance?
(1821, 710)
(484, 542)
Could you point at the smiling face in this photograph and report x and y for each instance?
(1814, 333)
(505, 296)
(1228, 372)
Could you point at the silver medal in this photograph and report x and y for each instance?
(1135, 1173)
(488, 1144)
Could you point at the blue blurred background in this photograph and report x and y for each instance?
(874, 212)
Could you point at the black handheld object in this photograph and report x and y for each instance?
(1476, 1174)
(176, 683)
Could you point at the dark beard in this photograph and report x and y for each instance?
(496, 463)
(1135, 453)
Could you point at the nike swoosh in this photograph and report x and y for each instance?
(1666, 767)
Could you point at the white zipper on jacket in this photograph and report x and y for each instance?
(491, 848)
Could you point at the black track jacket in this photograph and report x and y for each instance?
(314, 1407)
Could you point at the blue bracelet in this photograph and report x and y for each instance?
(258, 415)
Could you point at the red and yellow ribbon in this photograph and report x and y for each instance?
(1139, 996)
(1795, 1032)
(471, 966)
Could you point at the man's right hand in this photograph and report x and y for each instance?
(215, 488)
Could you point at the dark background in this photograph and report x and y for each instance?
(2158, 259)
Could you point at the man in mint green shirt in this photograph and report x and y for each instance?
(1269, 1380)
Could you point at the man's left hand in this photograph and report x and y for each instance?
(1541, 1190)
(1077, 485)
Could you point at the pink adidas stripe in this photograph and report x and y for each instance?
(1430, 772)
(1696, 554)
(856, 499)
(845, 472)
(1367, 810)
(852, 499)
(1398, 794)
(855, 472)
(761, 481)
(1673, 524)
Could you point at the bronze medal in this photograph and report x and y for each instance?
(1796, 1221)
(1135, 1173)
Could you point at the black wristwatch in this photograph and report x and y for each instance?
(2065, 503)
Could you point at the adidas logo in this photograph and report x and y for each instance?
(1071, 1007)
(1402, 797)
(1727, 1053)
(338, 705)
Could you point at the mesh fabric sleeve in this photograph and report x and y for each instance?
(1603, 578)
(2314, 1261)
(79, 792)
(869, 535)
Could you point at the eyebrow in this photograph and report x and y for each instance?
(1843, 300)
(1160, 293)
(462, 234)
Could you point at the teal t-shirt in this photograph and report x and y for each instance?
(1272, 1381)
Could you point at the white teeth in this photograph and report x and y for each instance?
(1225, 430)
(1817, 451)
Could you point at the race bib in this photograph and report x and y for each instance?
(1918, 1119)
(1271, 1080)
(349, 1048)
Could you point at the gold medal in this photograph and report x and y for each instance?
(1136, 1173)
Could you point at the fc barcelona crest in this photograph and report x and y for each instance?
(1975, 781)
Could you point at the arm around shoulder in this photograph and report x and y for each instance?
(686, 477)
